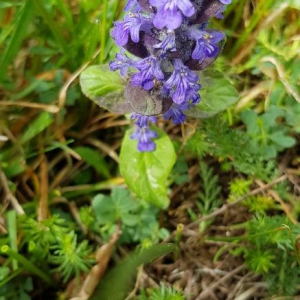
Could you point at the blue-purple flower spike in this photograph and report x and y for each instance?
(168, 41)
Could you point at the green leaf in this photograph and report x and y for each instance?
(269, 152)
(105, 88)
(17, 37)
(27, 264)
(282, 140)
(123, 200)
(4, 272)
(269, 118)
(43, 121)
(94, 159)
(146, 172)
(118, 282)
(294, 3)
(104, 209)
(249, 117)
(14, 166)
(118, 206)
(53, 25)
(217, 94)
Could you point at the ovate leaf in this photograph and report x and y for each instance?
(282, 140)
(249, 117)
(117, 207)
(146, 172)
(105, 88)
(217, 94)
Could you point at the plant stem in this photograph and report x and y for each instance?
(103, 31)
(12, 233)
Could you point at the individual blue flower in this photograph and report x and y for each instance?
(168, 42)
(143, 121)
(183, 84)
(122, 63)
(219, 13)
(195, 98)
(149, 69)
(132, 4)
(130, 26)
(226, 2)
(144, 136)
(169, 12)
(175, 113)
(206, 43)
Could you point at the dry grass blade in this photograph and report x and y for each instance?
(251, 94)
(49, 108)
(9, 195)
(282, 76)
(63, 92)
(203, 295)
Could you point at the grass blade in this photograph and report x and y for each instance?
(262, 8)
(29, 266)
(117, 282)
(12, 233)
(53, 27)
(17, 38)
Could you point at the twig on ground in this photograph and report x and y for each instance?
(237, 288)
(248, 294)
(215, 284)
(293, 181)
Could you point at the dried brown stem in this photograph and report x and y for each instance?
(9, 195)
(218, 282)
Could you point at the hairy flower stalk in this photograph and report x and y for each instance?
(170, 41)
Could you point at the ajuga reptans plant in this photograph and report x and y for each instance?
(169, 41)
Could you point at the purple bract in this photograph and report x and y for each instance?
(170, 41)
